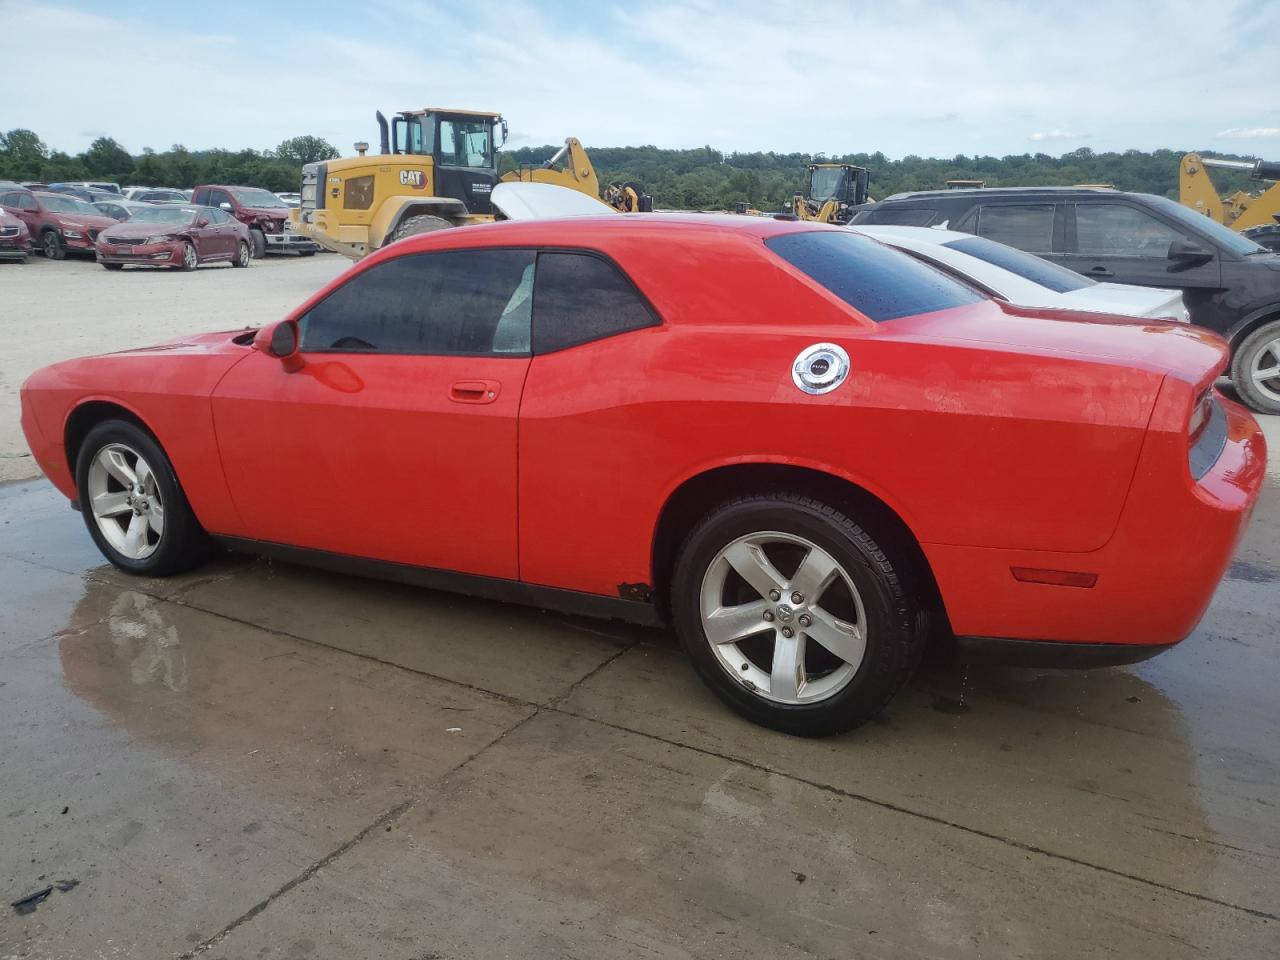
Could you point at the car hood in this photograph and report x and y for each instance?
(1128, 301)
(275, 213)
(1190, 353)
(130, 230)
(74, 220)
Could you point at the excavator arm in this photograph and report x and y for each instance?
(571, 167)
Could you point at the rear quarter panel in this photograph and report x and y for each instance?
(969, 443)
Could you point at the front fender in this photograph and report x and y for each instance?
(395, 210)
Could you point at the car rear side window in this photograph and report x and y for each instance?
(454, 303)
(1026, 265)
(1025, 226)
(907, 217)
(579, 297)
(877, 281)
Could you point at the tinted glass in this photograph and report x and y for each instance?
(875, 280)
(1118, 230)
(1199, 223)
(579, 297)
(1025, 226)
(1026, 265)
(908, 217)
(459, 302)
(216, 216)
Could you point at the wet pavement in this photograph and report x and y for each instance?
(263, 761)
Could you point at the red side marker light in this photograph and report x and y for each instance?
(1057, 578)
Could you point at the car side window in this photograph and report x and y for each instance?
(218, 197)
(217, 216)
(27, 203)
(453, 303)
(8, 199)
(1119, 230)
(579, 297)
(1027, 226)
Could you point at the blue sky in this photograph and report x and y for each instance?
(929, 78)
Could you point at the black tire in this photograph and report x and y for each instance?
(190, 259)
(113, 266)
(51, 245)
(1267, 235)
(306, 253)
(895, 622)
(243, 255)
(259, 241)
(1254, 348)
(423, 223)
(183, 544)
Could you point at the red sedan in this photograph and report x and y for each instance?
(175, 235)
(797, 446)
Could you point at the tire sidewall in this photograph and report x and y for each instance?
(54, 250)
(889, 625)
(1242, 362)
(175, 548)
(258, 241)
(244, 254)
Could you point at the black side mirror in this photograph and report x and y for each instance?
(284, 340)
(1184, 254)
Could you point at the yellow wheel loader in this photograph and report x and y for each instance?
(571, 167)
(435, 169)
(831, 191)
(1256, 215)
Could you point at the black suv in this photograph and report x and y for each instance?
(1230, 284)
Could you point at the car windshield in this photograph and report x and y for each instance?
(59, 203)
(1242, 246)
(825, 183)
(257, 198)
(167, 214)
(1026, 265)
(877, 281)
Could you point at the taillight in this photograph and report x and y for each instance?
(1200, 414)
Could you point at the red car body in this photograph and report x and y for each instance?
(15, 239)
(52, 228)
(211, 234)
(1040, 462)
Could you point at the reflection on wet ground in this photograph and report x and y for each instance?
(262, 760)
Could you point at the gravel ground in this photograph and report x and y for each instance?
(50, 311)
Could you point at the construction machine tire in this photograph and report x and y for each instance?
(423, 223)
(1267, 235)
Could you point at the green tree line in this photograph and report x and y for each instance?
(698, 179)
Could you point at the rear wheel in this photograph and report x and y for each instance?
(1255, 368)
(259, 240)
(794, 615)
(423, 223)
(242, 255)
(133, 505)
(51, 245)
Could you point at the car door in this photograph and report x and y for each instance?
(396, 440)
(1122, 242)
(216, 232)
(25, 208)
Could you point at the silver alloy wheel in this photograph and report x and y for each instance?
(189, 258)
(125, 500)
(811, 650)
(50, 245)
(243, 253)
(1264, 369)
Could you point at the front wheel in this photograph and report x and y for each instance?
(51, 245)
(242, 255)
(190, 259)
(113, 266)
(133, 505)
(259, 240)
(422, 223)
(794, 615)
(1255, 368)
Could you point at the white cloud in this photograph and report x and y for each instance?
(1248, 133)
(1056, 134)
(736, 74)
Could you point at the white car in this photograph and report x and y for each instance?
(1023, 278)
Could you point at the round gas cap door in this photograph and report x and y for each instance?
(820, 368)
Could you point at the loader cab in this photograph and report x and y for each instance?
(463, 147)
(836, 181)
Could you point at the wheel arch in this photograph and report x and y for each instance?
(395, 210)
(86, 415)
(1251, 322)
(693, 497)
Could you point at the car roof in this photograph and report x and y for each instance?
(996, 192)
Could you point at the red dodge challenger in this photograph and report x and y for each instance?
(797, 446)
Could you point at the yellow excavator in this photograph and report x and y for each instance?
(831, 191)
(1256, 215)
(435, 168)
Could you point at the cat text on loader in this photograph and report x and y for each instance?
(571, 167)
(436, 168)
(1256, 215)
(831, 191)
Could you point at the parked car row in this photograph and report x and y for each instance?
(212, 227)
(1231, 285)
